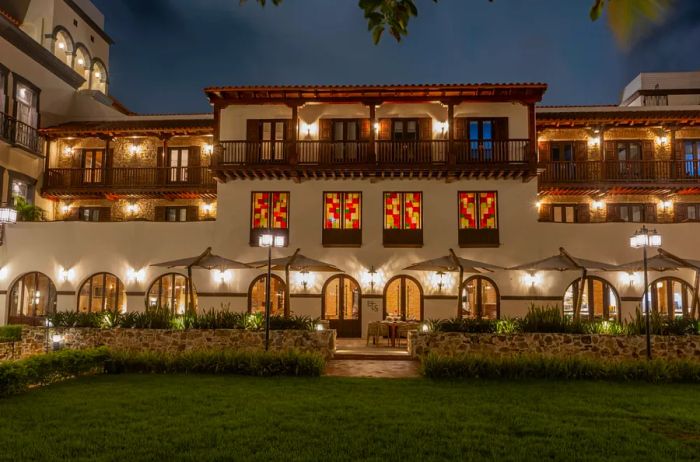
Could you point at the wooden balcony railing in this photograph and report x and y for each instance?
(134, 180)
(628, 171)
(380, 153)
(20, 134)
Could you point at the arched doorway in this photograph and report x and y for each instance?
(102, 292)
(256, 295)
(341, 305)
(403, 299)
(480, 299)
(32, 297)
(670, 297)
(171, 291)
(599, 299)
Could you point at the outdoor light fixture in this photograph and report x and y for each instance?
(667, 204)
(3, 272)
(132, 208)
(269, 240)
(663, 139)
(632, 278)
(439, 280)
(65, 208)
(309, 130)
(221, 276)
(440, 127)
(98, 74)
(532, 279)
(61, 45)
(594, 140)
(538, 204)
(68, 151)
(134, 149)
(8, 215)
(597, 205)
(425, 328)
(372, 278)
(57, 341)
(319, 327)
(643, 239)
(208, 149)
(304, 278)
(81, 61)
(135, 275)
(376, 127)
(66, 274)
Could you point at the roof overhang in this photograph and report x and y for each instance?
(619, 118)
(132, 126)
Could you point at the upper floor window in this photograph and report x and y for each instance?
(93, 165)
(633, 213)
(178, 213)
(562, 151)
(403, 219)
(22, 186)
(26, 103)
(404, 129)
(98, 77)
(686, 212)
(269, 213)
(3, 94)
(478, 219)
(94, 213)
(178, 161)
(342, 219)
(691, 157)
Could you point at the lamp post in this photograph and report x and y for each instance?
(269, 240)
(642, 239)
(7, 215)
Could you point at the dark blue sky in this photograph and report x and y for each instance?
(166, 51)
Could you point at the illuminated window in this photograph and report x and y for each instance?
(403, 210)
(102, 292)
(403, 299)
(599, 299)
(478, 219)
(170, 292)
(32, 295)
(670, 297)
(342, 210)
(480, 299)
(257, 299)
(269, 213)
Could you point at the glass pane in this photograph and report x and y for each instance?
(467, 210)
(469, 299)
(351, 299)
(413, 301)
(351, 131)
(473, 130)
(44, 295)
(98, 294)
(412, 216)
(261, 210)
(338, 134)
(165, 296)
(635, 151)
(597, 298)
(393, 299)
(111, 290)
(266, 131)
(557, 210)
(392, 210)
(568, 153)
(487, 210)
(332, 219)
(613, 303)
(489, 300)
(353, 211)
(569, 214)
(279, 131)
(180, 294)
(487, 130)
(332, 299)
(279, 212)
(257, 298)
(569, 299)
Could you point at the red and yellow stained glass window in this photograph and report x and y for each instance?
(403, 210)
(263, 203)
(478, 210)
(342, 210)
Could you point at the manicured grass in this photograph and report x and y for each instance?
(200, 417)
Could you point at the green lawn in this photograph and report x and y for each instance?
(132, 417)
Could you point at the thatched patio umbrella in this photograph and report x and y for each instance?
(295, 262)
(206, 260)
(566, 262)
(666, 261)
(452, 263)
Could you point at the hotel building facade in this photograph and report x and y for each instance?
(368, 178)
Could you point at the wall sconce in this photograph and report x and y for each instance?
(632, 279)
(440, 127)
(208, 149)
(207, 208)
(438, 280)
(376, 127)
(134, 275)
(667, 205)
(305, 278)
(538, 205)
(61, 46)
(593, 141)
(65, 208)
(57, 342)
(134, 149)
(3, 272)
(309, 130)
(66, 274)
(320, 327)
(222, 277)
(68, 151)
(532, 279)
(661, 140)
(98, 74)
(81, 61)
(597, 205)
(370, 278)
(425, 327)
(132, 208)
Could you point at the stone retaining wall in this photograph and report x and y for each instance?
(34, 340)
(601, 346)
(7, 350)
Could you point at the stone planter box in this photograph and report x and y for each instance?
(597, 346)
(34, 340)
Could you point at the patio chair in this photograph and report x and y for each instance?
(377, 329)
(403, 331)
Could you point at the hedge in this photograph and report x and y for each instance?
(10, 333)
(571, 368)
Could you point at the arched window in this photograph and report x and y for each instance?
(170, 291)
(102, 292)
(63, 46)
(31, 296)
(599, 299)
(403, 299)
(670, 297)
(341, 305)
(82, 63)
(480, 299)
(98, 77)
(256, 295)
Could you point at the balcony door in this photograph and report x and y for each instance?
(629, 157)
(346, 133)
(403, 299)
(691, 159)
(486, 138)
(94, 164)
(272, 134)
(178, 163)
(341, 306)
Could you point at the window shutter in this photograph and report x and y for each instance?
(192, 213)
(583, 213)
(460, 128)
(79, 161)
(613, 213)
(545, 148)
(650, 213)
(680, 213)
(195, 162)
(290, 130)
(384, 129)
(365, 129)
(679, 154)
(252, 130)
(159, 213)
(580, 150)
(325, 129)
(545, 213)
(108, 170)
(647, 150)
(425, 128)
(500, 128)
(609, 149)
(105, 214)
(160, 159)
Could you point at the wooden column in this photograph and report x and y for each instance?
(107, 168)
(452, 155)
(675, 171)
(372, 131)
(532, 135)
(293, 148)
(601, 153)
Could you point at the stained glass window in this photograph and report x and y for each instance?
(342, 210)
(263, 202)
(352, 209)
(403, 210)
(478, 210)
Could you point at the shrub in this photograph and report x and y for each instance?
(568, 368)
(10, 333)
(75, 319)
(18, 376)
(292, 323)
(263, 364)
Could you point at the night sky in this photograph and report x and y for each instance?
(166, 51)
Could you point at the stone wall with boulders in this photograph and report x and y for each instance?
(563, 345)
(37, 340)
(7, 350)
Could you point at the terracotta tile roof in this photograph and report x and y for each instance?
(7, 16)
(410, 86)
(618, 116)
(133, 126)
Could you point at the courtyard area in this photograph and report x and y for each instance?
(201, 417)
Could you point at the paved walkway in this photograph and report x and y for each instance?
(354, 358)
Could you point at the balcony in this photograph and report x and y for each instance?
(181, 182)
(341, 159)
(20, 134)
(636, 174)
